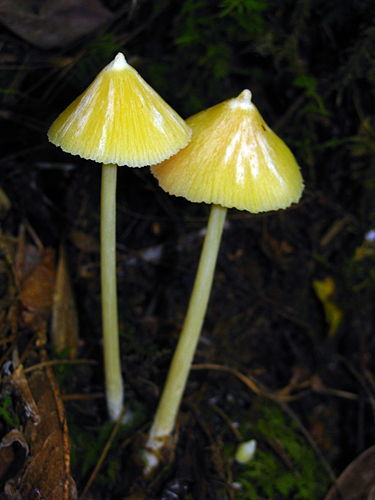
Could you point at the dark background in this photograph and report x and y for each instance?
(310, 66)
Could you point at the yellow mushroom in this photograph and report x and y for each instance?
(233, 160)
(118, 120)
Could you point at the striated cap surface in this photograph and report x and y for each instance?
(234, 159)
(120, 119)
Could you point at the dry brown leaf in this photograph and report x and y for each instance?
(13, 452)
(64, 329)
(38, 458)
(46, 473)
(19, 384)
(4, 202)
(49, 443)
(357, 479)
(47, 470)
(36, 292)
(53, 23)
(8, 289)
(41, 452)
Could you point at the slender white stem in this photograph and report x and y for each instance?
(167, 410)
(112, 363)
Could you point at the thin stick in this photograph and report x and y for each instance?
(167, 410)
(112, 364)
(54, 362)
(103, 455)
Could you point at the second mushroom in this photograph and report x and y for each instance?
(233, 160)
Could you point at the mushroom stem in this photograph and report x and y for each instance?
(112, 364)
(167, 410)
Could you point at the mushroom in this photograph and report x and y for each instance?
(118, 120)
(233, 160)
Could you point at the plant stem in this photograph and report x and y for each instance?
(167, 410)
(112, 364)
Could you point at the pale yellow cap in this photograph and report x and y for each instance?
(120, 119)
(234, 160)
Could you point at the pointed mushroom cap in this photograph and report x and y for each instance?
(234, 160)
(120, 119)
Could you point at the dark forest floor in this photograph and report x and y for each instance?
(287, 350)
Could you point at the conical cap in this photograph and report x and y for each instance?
(120, 119)
(234, 159)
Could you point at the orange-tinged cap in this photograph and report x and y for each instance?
(120, 119)
(234, 160)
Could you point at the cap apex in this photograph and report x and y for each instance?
(245, 96)
(119, 62)
(243, 100)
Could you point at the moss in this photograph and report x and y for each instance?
(284, 466)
